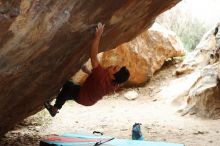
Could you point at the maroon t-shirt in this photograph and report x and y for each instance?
(97, 84)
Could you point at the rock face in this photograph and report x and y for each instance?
(143, 56)
(197, 90)
(44, 42)
(202, 55)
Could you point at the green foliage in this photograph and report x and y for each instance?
(190, 30)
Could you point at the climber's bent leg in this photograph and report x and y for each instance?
(70, 91)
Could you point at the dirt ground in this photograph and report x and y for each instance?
(115, 115)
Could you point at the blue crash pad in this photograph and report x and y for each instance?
(71, 139)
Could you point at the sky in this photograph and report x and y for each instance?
(205, 10)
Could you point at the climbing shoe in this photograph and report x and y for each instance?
(52, 110)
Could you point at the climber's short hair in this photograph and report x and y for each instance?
(122, 75)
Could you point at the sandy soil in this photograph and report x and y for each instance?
(115, 115)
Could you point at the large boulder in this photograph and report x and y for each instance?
(197, 89)
(44, 42)
(203, 55)
(143, 56)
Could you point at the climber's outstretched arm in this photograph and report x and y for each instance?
(95, 45)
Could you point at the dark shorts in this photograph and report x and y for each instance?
(69, 91)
